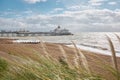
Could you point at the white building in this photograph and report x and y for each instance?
(59, 30)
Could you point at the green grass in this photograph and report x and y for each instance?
(43, 69)
(3, 68)
(3, 65)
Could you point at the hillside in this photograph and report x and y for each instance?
(96, 62)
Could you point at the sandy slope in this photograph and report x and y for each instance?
(53, 49)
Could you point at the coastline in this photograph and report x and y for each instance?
(94, 50)
(28, 50)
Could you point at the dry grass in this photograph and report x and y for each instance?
(83, 58)
(118, 37)
(29, 60)
(114, 58)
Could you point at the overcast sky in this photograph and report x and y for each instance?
(75, 15)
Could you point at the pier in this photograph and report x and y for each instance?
(25, 33)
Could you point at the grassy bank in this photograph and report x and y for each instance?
(46, 61)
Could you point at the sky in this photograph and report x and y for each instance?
(75, 15)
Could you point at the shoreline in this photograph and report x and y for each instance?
(94, 50)
(82, 47)
(28, 50)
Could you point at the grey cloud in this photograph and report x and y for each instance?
(86, 20)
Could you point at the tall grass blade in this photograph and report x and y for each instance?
(114, 58)
(76, 60)
(44, 48)
(117, 37)
(83, 58)
(64, 56)
(63, 53)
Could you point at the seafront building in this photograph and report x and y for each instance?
(24, 33)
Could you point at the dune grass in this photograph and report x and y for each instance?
(114, 69)
(45, 67)
(3, 67)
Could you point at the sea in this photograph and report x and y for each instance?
(91, 41)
